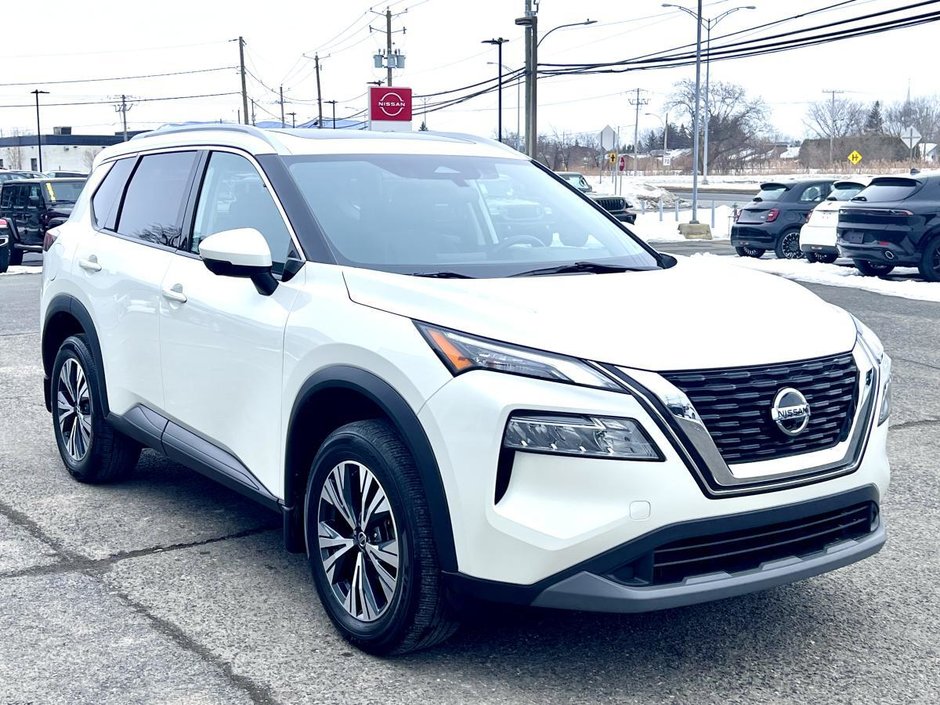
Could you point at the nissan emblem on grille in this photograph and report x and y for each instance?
(790, 411)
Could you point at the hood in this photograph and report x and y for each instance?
(698, 314)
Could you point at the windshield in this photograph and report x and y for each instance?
(770, 192)
(844, 190)
(468, 216)
(896, 189)
(66, 191)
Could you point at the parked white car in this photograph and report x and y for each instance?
(818, 235)
(442, 398)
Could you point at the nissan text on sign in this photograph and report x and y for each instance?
(390, 109)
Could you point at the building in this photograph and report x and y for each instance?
(61, 151)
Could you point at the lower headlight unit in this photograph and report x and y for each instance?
(584, 436)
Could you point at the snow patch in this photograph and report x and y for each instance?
(649, 227)
(22, 269)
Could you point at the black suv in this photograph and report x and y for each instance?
(772, 221)
(894, 221)
(32, 206)
(617, 206)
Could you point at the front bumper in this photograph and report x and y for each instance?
(610, 582)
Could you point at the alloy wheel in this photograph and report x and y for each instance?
(73, 408)
(790, 245)
(358, 541)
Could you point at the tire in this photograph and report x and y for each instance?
(92, 450)
(811, 257)
(827, 258)
(395, 610)
(872, 269)
(749, 252)
(16, 256)
(788, 245)
(4, 259)
(930, 261)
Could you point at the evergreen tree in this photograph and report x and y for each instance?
(874, 123)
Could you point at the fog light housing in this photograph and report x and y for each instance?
(581, 436)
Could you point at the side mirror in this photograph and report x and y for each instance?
(242, 252)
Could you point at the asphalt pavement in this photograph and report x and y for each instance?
(170, 589)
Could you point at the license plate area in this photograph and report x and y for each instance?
(854, 237)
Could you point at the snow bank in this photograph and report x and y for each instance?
(22, 269)
(837, 275)
(650, 228)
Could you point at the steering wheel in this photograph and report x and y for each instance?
(519, 240)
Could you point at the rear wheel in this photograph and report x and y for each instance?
(872, 269)
(16, 256)
(930, 261)
(827, 258)
(788, 245)
(90, 447)
(811, 257)
(748, 252)
(370, 545)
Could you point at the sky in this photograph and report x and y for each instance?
(125, 40)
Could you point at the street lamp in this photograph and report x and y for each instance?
(38, 93)
(708, 24)
(499, 72)
(530, 22)
(518, 104)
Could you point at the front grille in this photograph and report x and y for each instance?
(614, 203)
(735, 404)
(747, 549)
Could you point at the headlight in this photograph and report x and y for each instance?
(876, 350)
(583, 436)
(462, 353)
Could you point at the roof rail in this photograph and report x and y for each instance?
(200, 126)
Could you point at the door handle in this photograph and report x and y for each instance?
(90, 264)
(175, 293)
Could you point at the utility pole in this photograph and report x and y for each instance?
(283, 124)
(392, 61)
(499, 74)
(123, 108)
(252, 111)
(637, 102)
(293, 119)
(698, 109)
(832, 120)
(333, 103)
(38, 93)
(530, 22)
(241, 62)
(316, 61)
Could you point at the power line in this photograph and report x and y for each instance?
(118, 78)
(136, 100)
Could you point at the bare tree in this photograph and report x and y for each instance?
(736, 122)
(836, 118)
(88, 157)
(15, 153)
(922, 113)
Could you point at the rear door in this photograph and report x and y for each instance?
(222, 342)
(767, 200)
(122, 266)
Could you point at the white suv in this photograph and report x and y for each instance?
(450, 390)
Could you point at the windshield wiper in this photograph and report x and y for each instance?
(442, 275)
(579, 267)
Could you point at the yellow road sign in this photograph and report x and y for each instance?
(612, 157)
(855, 157)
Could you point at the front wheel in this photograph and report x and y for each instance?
(930, 261)
(749, 252)
(92, 450)
(788, 245)
(811, 257)
(828, 258)
(872, 269)
(16, 256)
(370, 544)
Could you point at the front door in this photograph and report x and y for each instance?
(222, 342)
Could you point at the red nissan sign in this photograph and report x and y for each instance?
(390, 103)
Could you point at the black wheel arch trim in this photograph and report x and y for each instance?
(405, 421)
(68, 304)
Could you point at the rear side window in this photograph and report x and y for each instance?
(105, 203)
(6, 197)
(814, 193)
(888, 190)
(153, 204)
(844, 190)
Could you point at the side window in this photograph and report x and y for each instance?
(105, 202)
(155, 198)
(19, 197)
(35, 196)
(813, 194)
(234, 196)
(6, 198)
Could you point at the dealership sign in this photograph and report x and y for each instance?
(390, 108)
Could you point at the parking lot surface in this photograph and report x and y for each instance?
(170, 589)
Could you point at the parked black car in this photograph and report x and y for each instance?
(617, 206)
(32, 206)
(4, 245)
(772, 221)
(895, 221)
